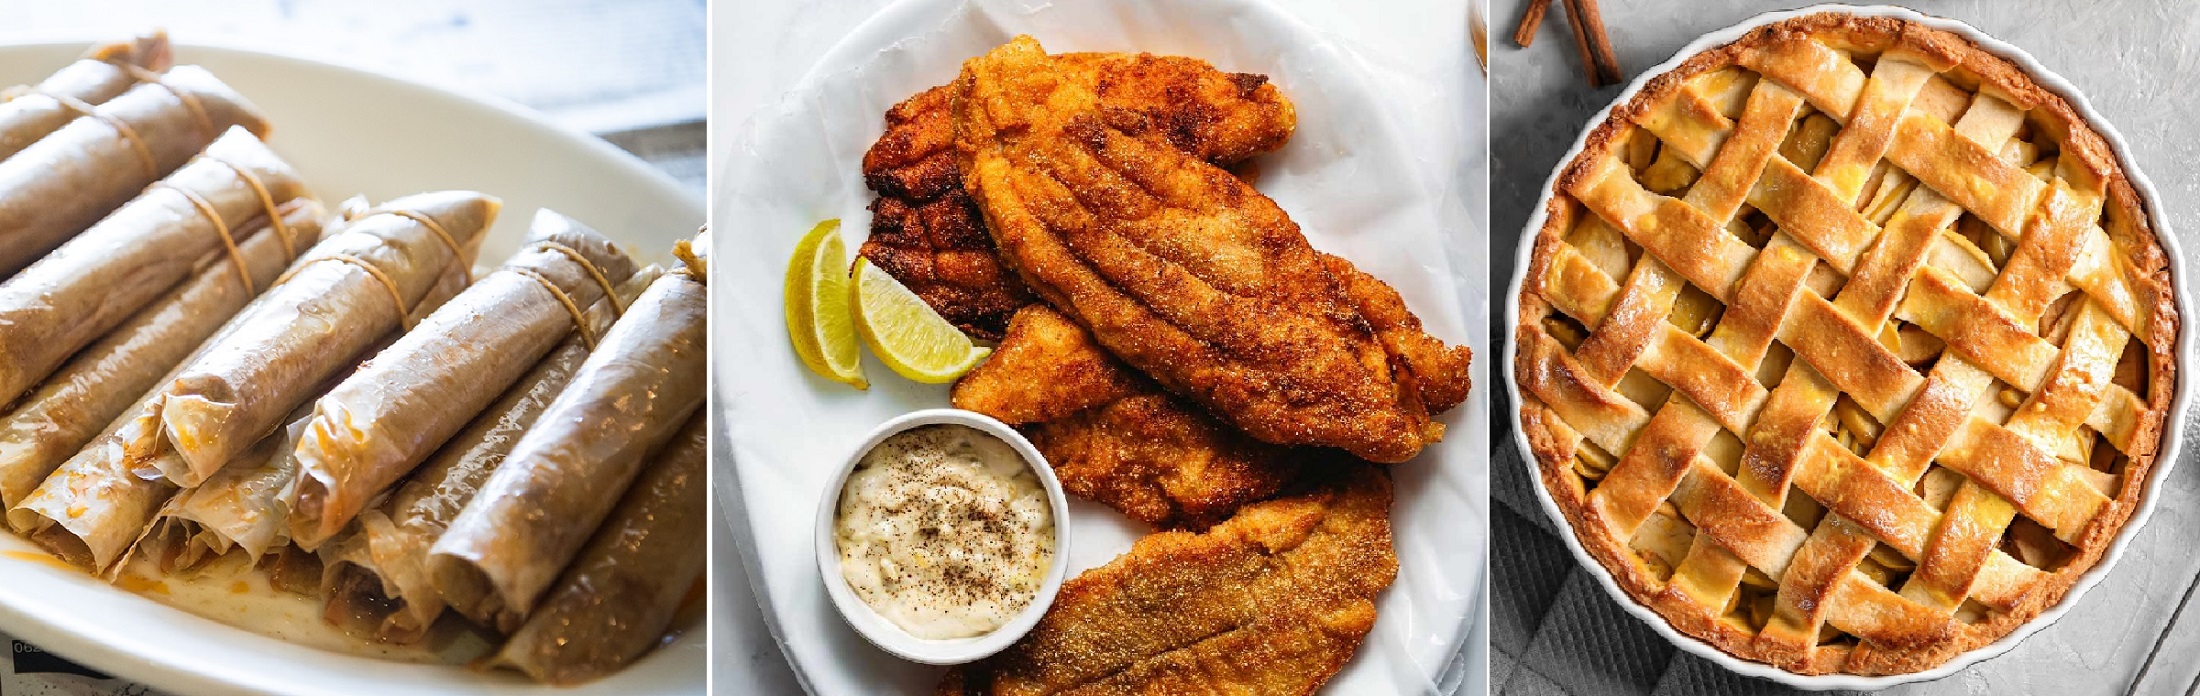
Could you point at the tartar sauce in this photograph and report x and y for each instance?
(944, 531)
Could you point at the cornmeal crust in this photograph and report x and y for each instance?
(2124, 219)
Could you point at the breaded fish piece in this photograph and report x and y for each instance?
(1439, 373)
(1117, 438)
(1177, 267)
(926, 232)
(1274, 601)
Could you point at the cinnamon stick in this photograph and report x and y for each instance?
(1529, 22)
(1581, 46)
(1588, 26)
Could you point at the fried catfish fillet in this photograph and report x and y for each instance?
(926, 232)
(1177, 267)
(1438, 373)
(1117, 438)
(1274, 601)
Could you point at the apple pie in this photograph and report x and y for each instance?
(1845, 347)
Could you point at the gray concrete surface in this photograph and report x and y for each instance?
(1554, 631)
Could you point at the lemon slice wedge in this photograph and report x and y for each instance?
(818, 317)
(906, 334)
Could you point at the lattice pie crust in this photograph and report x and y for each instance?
(1846, 346)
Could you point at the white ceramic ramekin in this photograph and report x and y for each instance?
(2173, 436)
(884, 633)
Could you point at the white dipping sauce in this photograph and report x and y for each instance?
(944, 531)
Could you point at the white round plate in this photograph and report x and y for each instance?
(1354, 180)
(2172, 437)
(352, 132)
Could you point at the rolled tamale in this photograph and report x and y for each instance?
(64, 182)
(616, 601)
(374, 428)
(103, 72)
(101, 381)
(96, 505)
(536, 510)
(341, 296)
(377, 583)
(101, 277)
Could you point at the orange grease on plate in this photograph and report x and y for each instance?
(141, 585)
(36, 557)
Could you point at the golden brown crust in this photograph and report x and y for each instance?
(1273, 601)
(1046, 368)
(926, 231)
(1440, 373)
(1551, 440)
(1116, 438)
(1176, 266)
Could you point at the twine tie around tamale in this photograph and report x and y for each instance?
(267, 203)
(580, 319)
(610, 292)
(221, 228)
(145, 154)
(397, 298)
(190, 101)
(84, 108)
(404, 314)
(458, 255)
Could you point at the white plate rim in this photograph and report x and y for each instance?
(86, 640)
(2173, 436)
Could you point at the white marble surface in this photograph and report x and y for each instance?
(630, 71)
(2131, 58)
(762, 48)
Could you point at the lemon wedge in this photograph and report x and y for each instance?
(914, 341)
(818, 319)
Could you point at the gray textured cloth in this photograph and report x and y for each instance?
(1556, 631)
